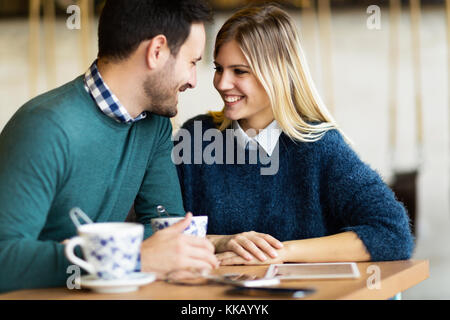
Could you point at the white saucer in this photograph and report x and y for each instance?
(129, 284)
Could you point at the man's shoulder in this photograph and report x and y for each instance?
(52, 105)
(50, 118)
(40, 126)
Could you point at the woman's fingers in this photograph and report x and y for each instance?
(272, 241)
(253, 244)
(231, 258)
(225, 255)
(236, 246)
(265, 245)
(246, 248)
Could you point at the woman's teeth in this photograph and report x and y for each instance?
(232, 99)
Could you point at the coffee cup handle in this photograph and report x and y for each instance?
(69, 250)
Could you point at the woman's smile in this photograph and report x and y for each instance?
(231, 100)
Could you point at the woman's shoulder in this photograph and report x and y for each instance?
(331, 141)
(334, 147)
(333, 138)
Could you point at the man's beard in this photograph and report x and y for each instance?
(162, 91)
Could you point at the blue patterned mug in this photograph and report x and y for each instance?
(197, 227)
(111, 249)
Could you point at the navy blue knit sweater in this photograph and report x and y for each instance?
(321, 188)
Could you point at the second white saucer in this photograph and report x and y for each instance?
(128, 284)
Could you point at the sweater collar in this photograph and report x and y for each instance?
(266, 138)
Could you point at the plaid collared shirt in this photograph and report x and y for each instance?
(105, 99)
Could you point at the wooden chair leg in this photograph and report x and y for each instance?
(308, 32)
(86, 7)
(404, 184)
(415, 35)
(324, 10)
(394, 21)
(49, 29)
(33, 45)
(447, 10)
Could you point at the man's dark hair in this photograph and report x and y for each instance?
(124, 24)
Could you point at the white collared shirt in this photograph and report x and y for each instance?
(267, 138)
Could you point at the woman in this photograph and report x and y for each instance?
(322, 203)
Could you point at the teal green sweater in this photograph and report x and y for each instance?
(60, 151)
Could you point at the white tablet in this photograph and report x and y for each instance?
(338, 270)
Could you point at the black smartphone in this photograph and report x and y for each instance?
(272, 291)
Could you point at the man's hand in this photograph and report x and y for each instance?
(169, 249)
(250, 245)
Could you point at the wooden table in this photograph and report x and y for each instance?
(395, 276)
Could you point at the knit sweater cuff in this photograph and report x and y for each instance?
(382, 245)
(147, 231)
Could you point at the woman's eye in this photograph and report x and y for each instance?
(239, 71)
(218, 69)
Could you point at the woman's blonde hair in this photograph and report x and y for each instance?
(269, 41)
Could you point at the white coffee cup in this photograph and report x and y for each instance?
(111, 249)
(197, 227)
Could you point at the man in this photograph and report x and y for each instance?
(102, 143)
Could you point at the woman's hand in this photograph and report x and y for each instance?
(230, 258)
(249, 245)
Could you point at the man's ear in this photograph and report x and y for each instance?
(157, 52)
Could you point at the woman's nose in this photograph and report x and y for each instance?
(223, 82)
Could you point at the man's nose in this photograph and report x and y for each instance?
(193, 79)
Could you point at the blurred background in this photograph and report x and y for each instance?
(381, 67)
